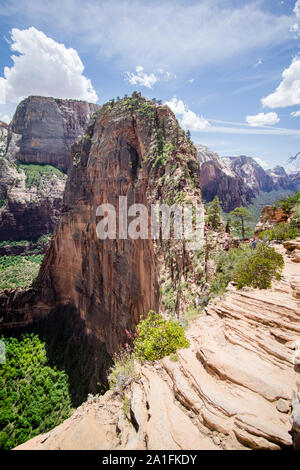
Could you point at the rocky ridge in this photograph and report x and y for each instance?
(232, 389)
(270, 216)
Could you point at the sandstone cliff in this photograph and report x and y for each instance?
(43, 130)
(131, 148)
(40, 134)
(237, 180)
(218, 179)
(281, 180)
(270, 216)
(232, 389)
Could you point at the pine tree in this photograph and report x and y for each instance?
(241, 216)
(214, 213)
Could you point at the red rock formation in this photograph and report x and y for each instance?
(269, 218)
(112, 283)
(232, 389)
(43, 130)
(217, 179)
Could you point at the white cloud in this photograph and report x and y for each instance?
(160, 34)
(295, 113)
(4, 118)
(297, 8)
(191, 80)
(262, 119)
(43, 67)
(258, 63)
(189, 120)
(262, 163)
(141, 78)
(288, 91)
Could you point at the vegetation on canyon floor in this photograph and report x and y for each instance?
(35, 173)
(37, 242)
(34, 397)
(19, 271)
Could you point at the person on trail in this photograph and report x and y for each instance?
(253, 243)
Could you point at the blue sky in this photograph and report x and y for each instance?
(230, 69)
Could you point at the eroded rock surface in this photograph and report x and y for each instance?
(112, 283)
(43, 130)
(218, 179)
(271, 216)
(226, 391)
(41, 133)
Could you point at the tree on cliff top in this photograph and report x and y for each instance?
(240, 217)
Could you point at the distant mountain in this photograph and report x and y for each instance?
(238, 180)
(218, 179)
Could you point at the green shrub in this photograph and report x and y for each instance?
(34, 397)
(19, 271)
(2, 202)
(35, 172)
(226, 262)
(259, 269)
(281, 231)
(158, 337)
(39, 242)
(289, 203)
(174, 357)
(122, 371)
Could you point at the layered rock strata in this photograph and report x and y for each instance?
(40, 134)
(132, 149)
(232, 389)
(43, 130)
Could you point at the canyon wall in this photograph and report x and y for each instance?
(128, 150)
(218, 179)
(238, 180)
(40, 134)
(43, 130)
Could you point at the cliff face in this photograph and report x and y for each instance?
(218, 179)
(127, 151)
(40, 134)
(232, 389)
(237, 180)
(251, 172)
(270, 217)
(43, 130)
(280, 178)
(28, 211)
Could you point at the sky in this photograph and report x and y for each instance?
(228, 69)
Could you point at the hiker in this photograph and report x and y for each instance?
(253, 243)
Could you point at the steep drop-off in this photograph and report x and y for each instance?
(38, 146)
(134, 149)
(232, 389)
(43, 130)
